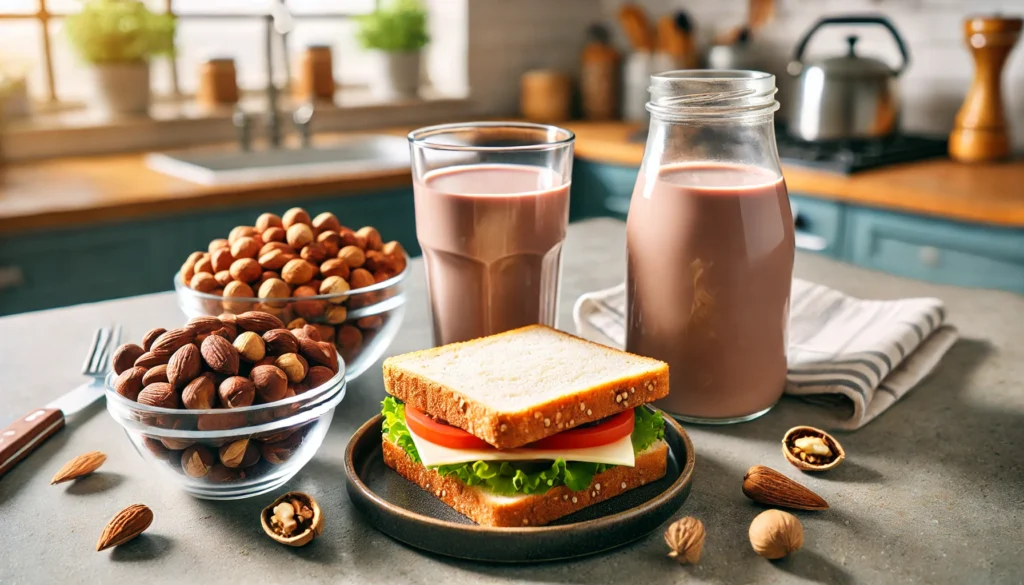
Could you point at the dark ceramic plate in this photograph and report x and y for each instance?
(407, 513)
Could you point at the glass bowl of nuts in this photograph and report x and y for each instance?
(230, 407)
(348, 284)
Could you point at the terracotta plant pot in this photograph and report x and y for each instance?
(121, 88)
(397, 75)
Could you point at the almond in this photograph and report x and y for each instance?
(125, 357)
(79, 467)
(279, 341)
(307, 331)
(220, 355)
(258, 321)
(767, 486)
(203, 324)
(318, 352)
(150, 337)
(150, 359)
(271, 383)
(159, 394)
(200, 393)
(155, 374)
(129, 383)
(125, 525)
(170, 341)
(185, 364)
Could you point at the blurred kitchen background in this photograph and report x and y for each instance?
(132, 133)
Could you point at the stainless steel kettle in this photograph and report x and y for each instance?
(848, 97)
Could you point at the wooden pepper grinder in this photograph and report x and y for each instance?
(980, 132)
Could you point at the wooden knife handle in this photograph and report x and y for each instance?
(26, 433)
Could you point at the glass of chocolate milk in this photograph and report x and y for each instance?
(492, 206)
(710, 245)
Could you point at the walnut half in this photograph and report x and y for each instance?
(293, 519)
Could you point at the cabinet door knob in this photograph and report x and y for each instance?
(929, 256)
(11, 277)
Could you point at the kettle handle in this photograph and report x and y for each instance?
(866, 19)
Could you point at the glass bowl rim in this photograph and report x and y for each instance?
(308, 396)
(181, 288)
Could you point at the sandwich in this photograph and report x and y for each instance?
(524, 427)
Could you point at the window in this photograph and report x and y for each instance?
(32, 40)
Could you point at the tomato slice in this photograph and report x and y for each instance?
(607, 431)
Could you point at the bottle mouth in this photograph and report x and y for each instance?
(697, 94)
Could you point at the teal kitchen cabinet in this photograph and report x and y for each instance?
(936, 250)
(600, 190)
(819, 224)
(63, 267)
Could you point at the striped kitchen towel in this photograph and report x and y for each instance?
(853, 357)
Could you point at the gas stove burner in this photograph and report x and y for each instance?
(850, 156)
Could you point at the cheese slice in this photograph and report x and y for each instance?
(617, 453)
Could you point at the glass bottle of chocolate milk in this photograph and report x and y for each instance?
(710, 245)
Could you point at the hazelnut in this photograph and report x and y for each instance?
(319, 353)
(196, 461)
(241, 231)
(220, 355)
(236, 392)
(297, 323)
(246, 247)
(371, 323)
(376, 261)
(307, 331)
(217, 244)
(188, 268)
(275, 259)
(298, 271)
(279, 341)
(203, 265)
(360, 278)
(334, 267)
(223, 277)
(221, 259)
(129, 382)
(246, 270)
(774, 534)
(150, 337)
(324, 332)
(331, 242)
(271, 246)
(295, 215)
(371, 236)
(311, 309)
(237, 290)
(221, 421)
(349, 339)
(203, 282)
(275, 288)
(155, 374)
(293, 365)
(352, 255)
(349, 238)
(250, 346)
(326, 221)
(335, 314)
(299, 235)
(221, 473)
(125, 356)
(155, 447)
(200, 393)
(176, 444)
(314, 252)
(264, 277)
(270, 381)
(266, 221)
(281, 451)
(160, 394)
(318, 376)
(335, 285)
(240, 453)
(274, 234)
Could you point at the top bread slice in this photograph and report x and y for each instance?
(520, 386)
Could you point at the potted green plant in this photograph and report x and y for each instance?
(117, 38)
(395, 34)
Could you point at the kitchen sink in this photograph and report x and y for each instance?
(353, 154)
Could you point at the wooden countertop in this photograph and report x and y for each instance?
(80, 191)
(985, 193)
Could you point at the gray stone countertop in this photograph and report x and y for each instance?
(931, 492)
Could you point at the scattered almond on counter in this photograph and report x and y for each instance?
(767, 486)
(80, 466)
(124, 526)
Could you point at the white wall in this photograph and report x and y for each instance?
(941, 66)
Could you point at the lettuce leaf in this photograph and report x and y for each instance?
(509, 478)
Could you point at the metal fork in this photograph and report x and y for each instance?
(28, 432)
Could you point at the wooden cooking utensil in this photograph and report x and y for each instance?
(638, 30)
(980, 132)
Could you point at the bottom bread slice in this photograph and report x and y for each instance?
(489, 509)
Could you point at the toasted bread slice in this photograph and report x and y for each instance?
(520, 386)
(489, 509)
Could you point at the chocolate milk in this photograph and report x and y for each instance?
(492, 242)
(710, 264)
